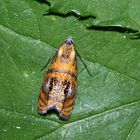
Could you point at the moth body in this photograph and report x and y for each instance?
(59, 88)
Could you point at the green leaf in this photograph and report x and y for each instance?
(108, 101)
(110, 12)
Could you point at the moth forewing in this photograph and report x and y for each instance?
(59, 88)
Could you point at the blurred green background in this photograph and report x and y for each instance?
(106, 34)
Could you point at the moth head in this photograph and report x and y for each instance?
(66, 52)
(69, 41)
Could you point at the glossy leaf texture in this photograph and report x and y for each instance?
(106, 34)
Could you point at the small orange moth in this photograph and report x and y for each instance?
(59, 89)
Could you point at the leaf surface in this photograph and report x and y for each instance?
(108, 101)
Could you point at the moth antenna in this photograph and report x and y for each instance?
(49, 61)
(83, 61)
(68, 41)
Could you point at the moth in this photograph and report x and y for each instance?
(59, 89)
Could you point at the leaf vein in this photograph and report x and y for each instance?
(92, 116)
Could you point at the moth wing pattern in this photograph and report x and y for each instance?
(69, 102)
(59, 89)
(43, 97)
